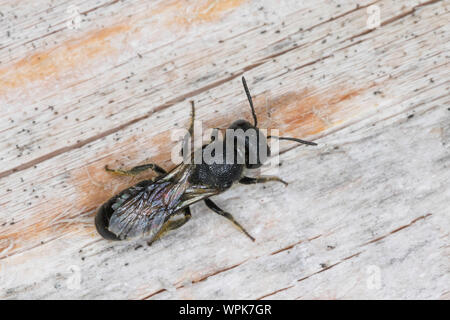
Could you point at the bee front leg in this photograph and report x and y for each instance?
(172, 225)
(227, 215)
(136, 170)
(262, 179)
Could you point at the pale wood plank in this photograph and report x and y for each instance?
(351, 88)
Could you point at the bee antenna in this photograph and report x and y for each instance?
(249, 97)
(294, 139)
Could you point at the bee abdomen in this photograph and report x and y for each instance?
(105, 212)
(102, 222)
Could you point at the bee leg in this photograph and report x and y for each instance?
(262, 179)
(136, 170)
(172, 225)
(227, 215)
(191, 126)
(190, 130)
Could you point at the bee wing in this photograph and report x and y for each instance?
(144, 213)
(142, 210)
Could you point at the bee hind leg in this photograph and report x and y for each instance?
(172, 225)
(210, 204)
(136, 170)
(262, 179)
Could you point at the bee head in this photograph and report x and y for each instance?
(250, 141)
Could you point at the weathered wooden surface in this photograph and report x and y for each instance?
(366, 214)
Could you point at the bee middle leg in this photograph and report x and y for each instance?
(262, 179)
(210, 204)
(136, 170)
(172, 225)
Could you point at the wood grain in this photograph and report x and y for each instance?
(365, 214)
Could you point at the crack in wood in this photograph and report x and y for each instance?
(311, 28)
(84, 13)
(216, 273)
(398, 229)
(330, 266)
(275, 292)
(240, 263)
(358, 7)
(153, 294)
(197, 280)
(317, 272)
(294, 244)
(395, 18)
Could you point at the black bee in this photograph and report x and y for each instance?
(153, 207)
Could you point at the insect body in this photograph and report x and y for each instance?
(153, 207)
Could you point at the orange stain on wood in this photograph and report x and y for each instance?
(201, 11)
(307, 113)
(78, 53)
(38, 229)
(52, 63)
